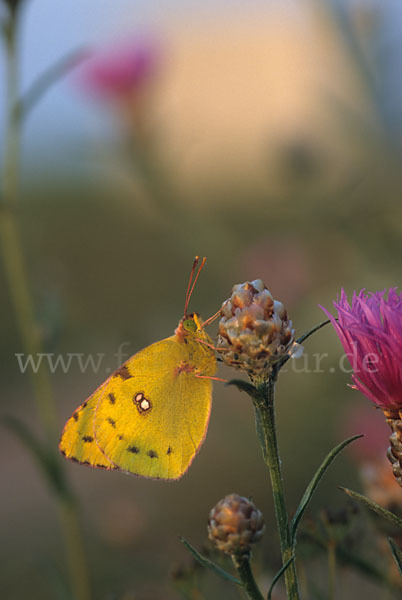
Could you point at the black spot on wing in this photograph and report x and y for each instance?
(112, 398)
(122, 372)
(152, 454)
(75, 416)
(169, 450)
(133, 449)
(88, 439)
(111, 421)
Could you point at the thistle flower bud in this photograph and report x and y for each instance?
(234, 524)
(254, 330)
(394, 420)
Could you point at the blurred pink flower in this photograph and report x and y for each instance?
(379, 484)
(121, 72)
(369, 453)
(365, 420)
(370, 330)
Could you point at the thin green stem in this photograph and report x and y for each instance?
(17, 280)
(264, 404)
(243, 566)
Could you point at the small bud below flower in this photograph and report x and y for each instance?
(254, 330)
(234, 524)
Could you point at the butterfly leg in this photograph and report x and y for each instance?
(212, 319)
(185, 367)
(212, 346)
(210, 377)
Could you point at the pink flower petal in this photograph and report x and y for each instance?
(370, 330)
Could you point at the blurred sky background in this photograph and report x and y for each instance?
(269, 139)
(51, 29)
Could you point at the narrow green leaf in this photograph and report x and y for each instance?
(374, 506)
(314, 483)
(46, 458)
(281, 362)
(205, 562)
(47, 79)
(310, 332)
(278, 576)
(244, 386)
(396, 553)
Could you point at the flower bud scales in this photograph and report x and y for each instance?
(254, 330)
(234, 524)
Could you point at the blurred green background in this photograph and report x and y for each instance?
(265, 137)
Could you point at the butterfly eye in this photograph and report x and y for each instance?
(190, 325)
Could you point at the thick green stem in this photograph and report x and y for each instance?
(242, 564)
(264, 405)
(17, 280)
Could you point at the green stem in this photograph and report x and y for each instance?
(264, 404)
(242, 564)
(17, 280)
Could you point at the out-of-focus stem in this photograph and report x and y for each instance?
(18, 288)
(12, 154)
(331, 570)
(266, 414)
(10, 238)
(77, 560)
(17, 280)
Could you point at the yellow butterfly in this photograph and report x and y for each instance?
(150, 417)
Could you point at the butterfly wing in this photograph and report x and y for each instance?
(150, 417)
(78, 440)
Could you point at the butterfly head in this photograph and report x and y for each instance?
(190, 326)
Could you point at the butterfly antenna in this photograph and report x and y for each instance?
(195, 263)
(212, 319)
(191, 283)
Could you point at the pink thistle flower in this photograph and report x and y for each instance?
(121, 72)
(370, 330)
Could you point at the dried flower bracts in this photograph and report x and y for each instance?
(235, 524)
(254, 330)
